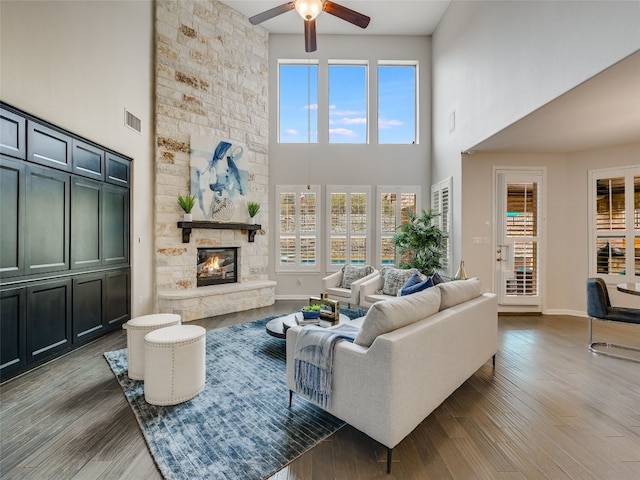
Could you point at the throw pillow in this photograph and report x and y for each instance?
(437, 278)
(389, 315)
(395, 278)
(458, 291)
(352, 273)
(418, 287)
(413, 280)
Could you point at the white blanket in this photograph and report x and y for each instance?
(313, 360)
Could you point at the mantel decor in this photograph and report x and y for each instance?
(188, 226)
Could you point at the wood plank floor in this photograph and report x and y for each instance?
(549, 410)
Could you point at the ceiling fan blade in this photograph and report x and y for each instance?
(273, 12)
(347, 14)
(310, 36)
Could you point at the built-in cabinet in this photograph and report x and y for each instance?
(64, 241)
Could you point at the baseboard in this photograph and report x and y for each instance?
(561, 311)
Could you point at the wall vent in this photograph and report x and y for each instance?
(131, 121)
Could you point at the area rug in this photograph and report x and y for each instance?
(240, 426)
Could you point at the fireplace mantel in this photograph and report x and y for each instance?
(187, 226)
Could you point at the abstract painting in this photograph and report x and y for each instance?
(218, 179)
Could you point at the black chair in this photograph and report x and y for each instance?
(599, 308)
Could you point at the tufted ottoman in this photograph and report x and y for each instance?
(174, 367)
(136, 329)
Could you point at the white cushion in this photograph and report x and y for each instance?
(458, 291)
(386, 316)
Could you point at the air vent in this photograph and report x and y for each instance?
(131, 121)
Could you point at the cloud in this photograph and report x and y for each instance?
(313, 106)
(352, 121)
(343, 113)
(383, 123)
(342, 132)
(291, 131)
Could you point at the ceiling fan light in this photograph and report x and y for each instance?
(308, 9)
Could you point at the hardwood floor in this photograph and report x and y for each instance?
(550, 409)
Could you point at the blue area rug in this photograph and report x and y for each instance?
(240, 426)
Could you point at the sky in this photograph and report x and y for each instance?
(298, 105)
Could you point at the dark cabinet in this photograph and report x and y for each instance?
(64, 241)
(12, 134)
(13, 338)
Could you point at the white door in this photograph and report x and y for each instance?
(519, 238)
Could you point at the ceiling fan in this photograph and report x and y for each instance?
(309, 10)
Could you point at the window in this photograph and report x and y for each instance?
(393, 205)
(615, 224)
(397, 100)
(348, 217)
(347, 103)
(297, 228)
(297, 102)
(441, 203)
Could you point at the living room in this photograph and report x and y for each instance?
(81, 64)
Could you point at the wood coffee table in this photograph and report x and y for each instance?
(278, 326)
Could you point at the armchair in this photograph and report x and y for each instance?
(331, 285)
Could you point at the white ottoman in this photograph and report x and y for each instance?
(174, 365)
(136, 329)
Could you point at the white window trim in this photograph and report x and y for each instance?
(298, 190)
(628, 173)
(348, 189)
(398, 190)
(436, 205)
(400, 63)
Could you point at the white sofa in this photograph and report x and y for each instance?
(434, 341)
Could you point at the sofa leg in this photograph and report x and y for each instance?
(290, 398)
(494, 360)
(389, 451)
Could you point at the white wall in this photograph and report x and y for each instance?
(78, 65)
(333, 164)
(496, 62)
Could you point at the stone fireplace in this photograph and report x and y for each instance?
(216, 265)
(196, 96)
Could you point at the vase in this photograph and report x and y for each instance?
(461, 274)
(187, 217)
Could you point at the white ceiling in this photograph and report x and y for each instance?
(603, 111)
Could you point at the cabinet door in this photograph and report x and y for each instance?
(48, 147)
(88, 306)
(118, 170)
(12, 134)
(115, 229)
(47, 221)
(117, 297)
(12, 197)
(86, 213)
(88, 160)
(48, 319)
(13, 332)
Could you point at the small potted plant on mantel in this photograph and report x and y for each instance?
(187, 203)
(252, 209)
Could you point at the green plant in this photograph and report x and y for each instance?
(187, 202)
(312, 308)
(420, 243)
(253, 208)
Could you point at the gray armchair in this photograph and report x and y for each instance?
(599, 308)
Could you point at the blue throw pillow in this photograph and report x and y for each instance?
(418, 287)
(413, 280)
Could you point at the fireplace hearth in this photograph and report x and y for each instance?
(217, 265)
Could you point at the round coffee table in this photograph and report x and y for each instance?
(278, 326)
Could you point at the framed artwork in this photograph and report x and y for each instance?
(219, 179)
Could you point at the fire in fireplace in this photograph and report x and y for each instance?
(217, 265)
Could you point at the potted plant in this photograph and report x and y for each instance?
(253, 208)
(311, 311)
(420, 243)
(187, 203)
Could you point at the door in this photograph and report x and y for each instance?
(519, 239)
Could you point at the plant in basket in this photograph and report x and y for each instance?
(310, 312)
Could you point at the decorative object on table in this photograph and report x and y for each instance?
(421, 243)
(311, 312)
(218, 177)
(252, 209)
(329, 309)
(187, 202)
(461, 274)
(245, 388)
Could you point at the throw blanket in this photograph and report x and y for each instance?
(313, 360)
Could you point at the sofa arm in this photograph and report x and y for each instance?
(356, 286)
(372, 285)
(332, 281)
